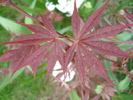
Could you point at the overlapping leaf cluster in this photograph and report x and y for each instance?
(84, 43)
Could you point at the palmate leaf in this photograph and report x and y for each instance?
(106, 48)
(60, 46)
(41, 35)
(18, 56)
(51, 60)
(93, 20)
(85, 58)
(94, 63)
(105, 32)
(31, 39)
(69, 54)
(79, 51)
(75, 22)
(96, 97)
(56, 54)
(37, 29)
(48, 25)
(27, 50)
(84, 42)
(80, 63)
(129, 16)
(10, 55)
(27, 55)
(34, 66)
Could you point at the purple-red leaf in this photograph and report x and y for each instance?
(75, 21)
(38, 54)
(80, 63)
(23, 53)
(93, 20)
(106, 48)
(48, 25)
(60, 47)
(95, 64)
(79, 52)
(51, 60)
(69, 54)
(81, 24)
(105, 32)
(127, 42)
(31, 39)
(37, 29)
(34, 67)
(96, 97)
(10, 55)
(129, 16)
(56, 54)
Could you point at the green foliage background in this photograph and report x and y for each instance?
(23, 86)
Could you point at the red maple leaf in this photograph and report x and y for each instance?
(85, 42)
(54, 49)
(19, 56)
(128, 18)
(106, 93)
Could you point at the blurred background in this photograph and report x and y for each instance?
(23, 86)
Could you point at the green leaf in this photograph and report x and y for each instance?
(123, 96)
(73, 95)
(126, 96)
(125, 47)
(110, 73)
(66, 29)
(7, 79)
(10, 25)
(115, 98)
(99, 89)
(88, 5)
(27, 19)
(29, 10)
(124, 36)
(119, 7)
(33, 78)
(53, 1)
(41, 5)
(27, 1)
(124, 83)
